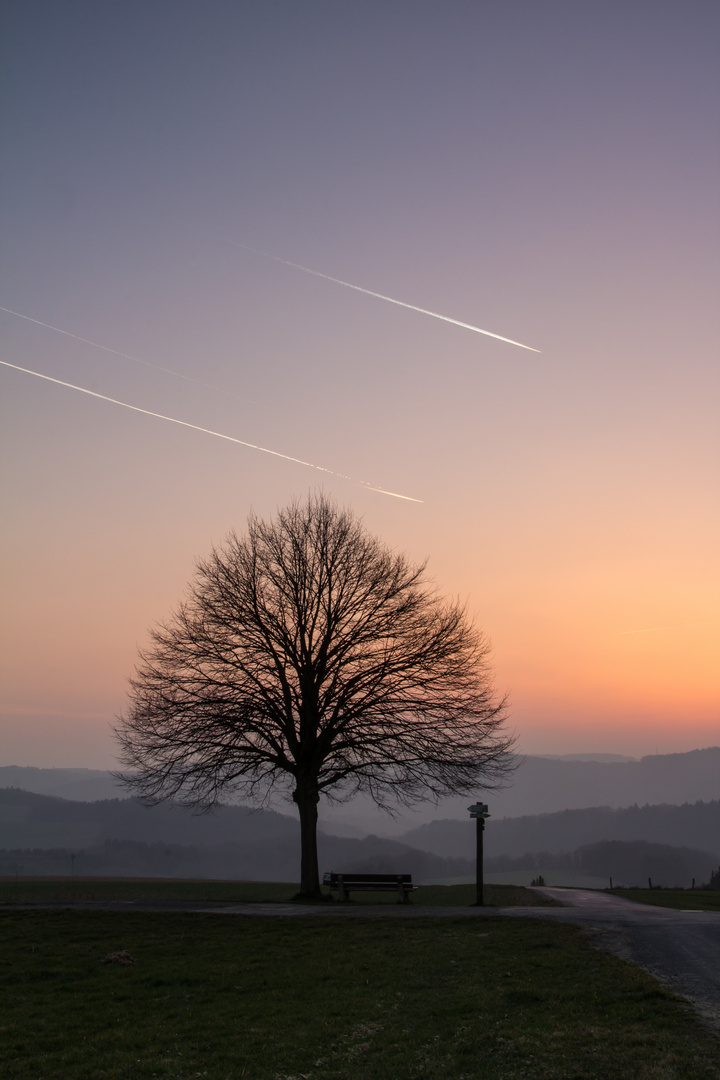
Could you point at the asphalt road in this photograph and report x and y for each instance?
(680, 948)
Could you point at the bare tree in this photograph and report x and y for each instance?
(311, 659)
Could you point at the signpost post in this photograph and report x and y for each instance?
(479, 811)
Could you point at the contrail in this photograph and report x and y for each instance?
(116, 352)
(207, 431)
(381, 296)
(653, 629)
(384, 491)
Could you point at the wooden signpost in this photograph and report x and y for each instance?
(479, 811)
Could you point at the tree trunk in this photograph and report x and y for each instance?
(306, 796)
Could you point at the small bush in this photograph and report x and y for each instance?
(714, 882)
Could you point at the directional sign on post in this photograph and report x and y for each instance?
(479, 811)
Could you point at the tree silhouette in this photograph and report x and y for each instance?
(311, 659)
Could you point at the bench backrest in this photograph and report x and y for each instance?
(366, 879)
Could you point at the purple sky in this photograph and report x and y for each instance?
(548, 172)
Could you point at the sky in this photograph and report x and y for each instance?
(548, 172)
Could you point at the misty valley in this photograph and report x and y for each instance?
(89, 831)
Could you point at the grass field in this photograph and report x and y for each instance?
(256, 998)
(33, 890)
(682, 899)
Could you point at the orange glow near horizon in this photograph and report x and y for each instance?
(579, 677)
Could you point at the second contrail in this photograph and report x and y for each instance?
(207, 431)
(381, 296)
(116, 352)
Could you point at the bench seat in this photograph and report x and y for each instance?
(344, 884)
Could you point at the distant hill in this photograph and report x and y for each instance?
(85, 785)
(243, 862)
(586, 757)
(41, 834)
(694, 825)
(627, 863)
(544, 785)
(30, 820)
(540, 785)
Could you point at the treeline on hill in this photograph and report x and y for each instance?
(695, 825)
(40, 821)
(122, 837)
(548, 785)
(540, 785)
(628, 863)
(277, 862)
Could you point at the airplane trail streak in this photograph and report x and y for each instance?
(116, 352)
(381, 296)
(654, 629)
(206, 431)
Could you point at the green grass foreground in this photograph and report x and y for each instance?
(681, 899)
(257, 998)
(156, 890)
(24, 890)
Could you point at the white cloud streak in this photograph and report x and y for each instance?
(116, 352)
(655, 629)
(206, 431)
(381, 296)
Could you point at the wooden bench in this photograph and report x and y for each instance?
(344, 884)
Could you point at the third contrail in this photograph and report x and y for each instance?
(381, 296)
(207, 431)
(116, 352)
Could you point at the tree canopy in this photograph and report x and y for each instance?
(311, 659)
